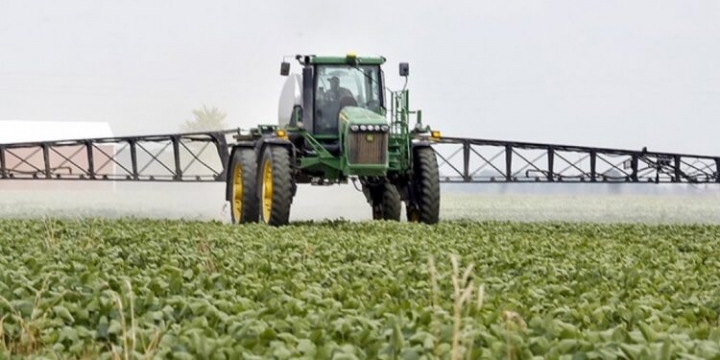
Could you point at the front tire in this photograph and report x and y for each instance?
(387, 204)
(276, 186)
(243, 186)
(425, 187)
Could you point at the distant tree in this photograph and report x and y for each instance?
(205, 120)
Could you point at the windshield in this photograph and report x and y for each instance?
(344, 85)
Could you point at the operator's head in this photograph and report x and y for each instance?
(334, 83)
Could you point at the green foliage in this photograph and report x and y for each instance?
(190, 290)
(206, 120)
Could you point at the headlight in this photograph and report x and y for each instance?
(385, 128)
(354, 127)
(363, 127)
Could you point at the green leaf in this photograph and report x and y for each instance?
(63, 313)
(188, 274)
(115, 327)
(68, 333)
(182, 356)
(666, 351)
(306, 347)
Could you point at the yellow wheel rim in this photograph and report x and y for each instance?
(267, 190)
(237, 193)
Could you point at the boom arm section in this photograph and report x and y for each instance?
(193, 157)
(486, 161)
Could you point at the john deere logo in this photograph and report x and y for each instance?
(369, 137)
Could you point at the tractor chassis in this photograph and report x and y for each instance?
(252, 202)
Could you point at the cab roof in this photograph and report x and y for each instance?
(349, 58)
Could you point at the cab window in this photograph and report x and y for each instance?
(338, 86)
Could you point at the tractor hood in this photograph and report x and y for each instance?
(365, 137)
(351, 115)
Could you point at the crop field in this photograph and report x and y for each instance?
(134, 288)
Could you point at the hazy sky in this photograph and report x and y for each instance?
(606, 73)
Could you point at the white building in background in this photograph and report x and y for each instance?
(21, 131)
(14, 131)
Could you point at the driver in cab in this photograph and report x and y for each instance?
(336, 92)
(334, 100)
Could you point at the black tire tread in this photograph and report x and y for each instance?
(428, 185)
(247, 160)
(391, 203)
(282, 183)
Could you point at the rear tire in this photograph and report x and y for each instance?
(425, 188)
(388, 204)
(275, 186)
(243, 186)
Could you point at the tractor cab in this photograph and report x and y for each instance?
(314, 98)
(338, 86)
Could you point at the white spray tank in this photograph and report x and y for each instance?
(290, 97)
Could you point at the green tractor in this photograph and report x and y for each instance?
(333, 126)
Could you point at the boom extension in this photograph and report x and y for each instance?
(170, 157)
(488, 161)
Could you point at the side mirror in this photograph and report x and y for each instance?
(404, 69)
(285, 68)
